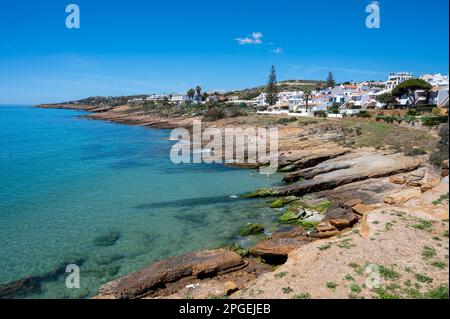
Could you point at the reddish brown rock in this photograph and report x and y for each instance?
(352, 202)
(400, 180)
(361, 209)
(197, 264)
(276, 249)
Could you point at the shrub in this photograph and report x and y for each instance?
(412, 112)
(233, 112)
(434, 120)
(214, 114)
(286, 120)
(320, 114)
(364, 114)
(441, 152)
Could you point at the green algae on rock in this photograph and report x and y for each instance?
(251, 229)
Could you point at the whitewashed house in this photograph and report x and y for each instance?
(397, 78)
(260, 100)
(179, 98)
(436, 79)
(439, 96)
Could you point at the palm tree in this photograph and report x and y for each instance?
(190, 93)
(307, 95)
(198, 90)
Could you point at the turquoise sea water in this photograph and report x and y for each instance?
(65, 181)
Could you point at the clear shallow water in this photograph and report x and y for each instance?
(65, 181)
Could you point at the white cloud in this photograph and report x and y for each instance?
(278, 50)
(255, 38)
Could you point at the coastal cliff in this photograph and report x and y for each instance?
(348, 204)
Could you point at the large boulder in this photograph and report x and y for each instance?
(275, 250)
(200, 264)
(340, 216)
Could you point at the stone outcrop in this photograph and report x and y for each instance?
(275, 250)
(360, 168)
(202, 264)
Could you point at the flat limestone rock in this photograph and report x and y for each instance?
(367, 166)
(200, 264)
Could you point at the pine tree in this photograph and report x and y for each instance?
(271, 89)
(330, 80)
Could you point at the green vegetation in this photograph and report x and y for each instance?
(379, 135)
(302, 296)
(409, 87)
(287, 290)
(440, 153)
(277, 203)
(324, 247)
(271, 89)
(423, 225)
(331, 285)
(383, 294)
(441, 199)
(251, 229)
(320, 114)
(330, 82)
(388, 273)
(424, 278)
(440, 292)
(438, 264)
(428, 252)
(349, 277)
(281, 274)
(355, 288)
(241, 251)
(345, 243)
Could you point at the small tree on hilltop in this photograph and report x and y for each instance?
(330, 80)
(271, 89)
(409, 88)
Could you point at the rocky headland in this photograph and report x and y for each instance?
(348, 204)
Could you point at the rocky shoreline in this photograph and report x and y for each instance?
(331, 191)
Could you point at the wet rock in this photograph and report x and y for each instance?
(201, 264)
(445, 164)
(20, 287)
(107, 240)
(277, 203)
(33, 284)
(251, 229)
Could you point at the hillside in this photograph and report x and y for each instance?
(291, 85)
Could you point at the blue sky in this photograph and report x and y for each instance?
(137, 46)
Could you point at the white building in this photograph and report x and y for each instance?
(436, 79)
(397, 78)
(260, 100)
(439, 96)
(179, 98)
